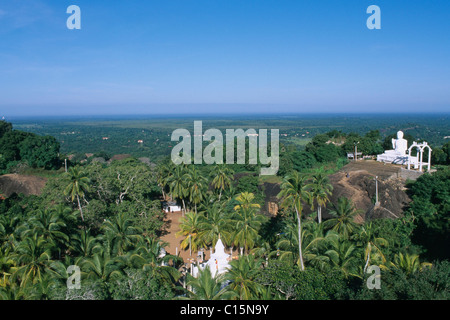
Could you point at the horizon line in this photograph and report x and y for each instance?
(209, 114)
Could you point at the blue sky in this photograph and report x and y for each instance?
(222, 56)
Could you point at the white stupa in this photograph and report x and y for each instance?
(218, 262)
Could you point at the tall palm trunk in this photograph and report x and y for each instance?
(368, 257)
(184, 207)
(190, 250)
(302, 266)
(319, 214)
(79, 207)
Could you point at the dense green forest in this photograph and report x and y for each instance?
(107, 219)
(18, 147)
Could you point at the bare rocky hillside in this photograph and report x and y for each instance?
(16, 183)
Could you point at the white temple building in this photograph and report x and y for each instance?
(401, 154)
(171, 206)
(218, 262)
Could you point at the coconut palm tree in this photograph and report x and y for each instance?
(101, 266)
(262, 250)
(178, 185)
(344, 213)
(313, 243)
(229, 193)
(150, 256)
(245, 200)
(294, 192)
(321, 189)
(222, 177)
(68, 216)
(372, 245)
(190, 229)
(7, 267)
(207, 287)
(84, 245)
(43, 289)
(242, 276)
(215, 224)
(196, 185)
(33, 259)
(247, 221)
(3, 224)
(13, 292)
(10, 228)
(79, 184)
(163, 173)
(209, 199)
(410, 263)
(342, 254)
(121, 234)
(50, 225)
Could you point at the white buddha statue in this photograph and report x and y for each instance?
(398, 154)
(400, 145)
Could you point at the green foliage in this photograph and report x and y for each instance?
(40, 152)
(207, 287)
(368, 144)
(140, 285)
(247, 221)
(190, 230)
(36, 151)
(290, 283)
(90, 290)
(5, 127)
(323, 150)
(429, 284)
(302, 160)
(217, 223)
(250, 183)
(295, 160)
(446, 150)
(243, 276)
(398, 233)
(343, 213)
(441, 156)
(430, 209)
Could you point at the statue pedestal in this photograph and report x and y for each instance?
(399, 156)
(392, 156)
